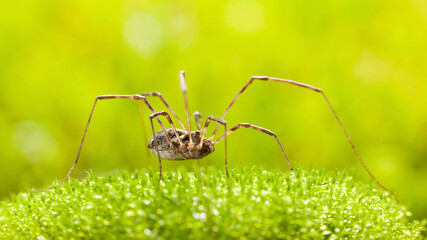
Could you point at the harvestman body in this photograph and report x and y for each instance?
(176, 144)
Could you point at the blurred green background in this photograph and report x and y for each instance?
(369, 58)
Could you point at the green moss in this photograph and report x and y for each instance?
(253, 204)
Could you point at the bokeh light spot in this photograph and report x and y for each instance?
(372, 68)
(34, 141)
(143, 32)
(186, 30)
(245, 16)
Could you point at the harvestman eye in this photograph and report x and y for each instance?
(183, 144)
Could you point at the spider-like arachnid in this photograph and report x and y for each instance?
(176, 144)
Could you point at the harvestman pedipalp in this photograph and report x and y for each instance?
(176, 144)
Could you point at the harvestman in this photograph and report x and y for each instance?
(176, 144)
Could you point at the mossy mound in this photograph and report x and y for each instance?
(252, 204)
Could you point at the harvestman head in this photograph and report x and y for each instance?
(176, 144)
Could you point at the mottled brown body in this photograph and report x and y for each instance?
(159, 145)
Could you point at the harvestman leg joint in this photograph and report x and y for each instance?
(176, 144)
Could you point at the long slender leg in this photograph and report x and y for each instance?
(263, 78)
(137, 97)
(144, 132)
(184, 92)
(103, 97)
(199, 168)
(315, 89)
(163, 113)
(198, 118)
(263, 130)
(159, 95)
(158, 153)
(220, 121)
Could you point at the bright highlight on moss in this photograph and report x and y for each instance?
(253, 204)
